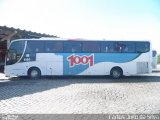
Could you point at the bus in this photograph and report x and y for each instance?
(154, 59)
(43, 57)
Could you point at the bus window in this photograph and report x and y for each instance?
(128, 47)
(15, 52)
(107, 46)
(18, 46)
(91, 46)
(72, 46)
(142, 47)
(35, 47)
(117, 47)
(53, 46)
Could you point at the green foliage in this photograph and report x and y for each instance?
(159, 59)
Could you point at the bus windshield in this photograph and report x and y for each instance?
(15, 52)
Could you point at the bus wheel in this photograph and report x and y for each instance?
(34, 73)
(116, 72)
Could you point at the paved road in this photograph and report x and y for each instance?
(81, 95)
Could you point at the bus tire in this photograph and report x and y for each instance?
(116, 73)
(34, 73)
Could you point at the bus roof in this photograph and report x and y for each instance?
(79, 39)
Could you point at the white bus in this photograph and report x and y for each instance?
(154, 59)
(41, 57)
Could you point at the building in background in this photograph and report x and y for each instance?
(8, 34)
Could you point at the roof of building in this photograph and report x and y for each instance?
(6, 31)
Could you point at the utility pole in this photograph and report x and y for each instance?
(8, 38)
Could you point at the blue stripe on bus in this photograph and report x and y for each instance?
(98, 57)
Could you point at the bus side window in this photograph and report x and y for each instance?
(53, 46)
(106, 50)
(104, 47)
(142, 47)
(91, 46)
(146, 47)
(117, 47)
(36, 50)
(126, 47)
(48, 50)
(72, 46)
(35, 47)
(107, 47)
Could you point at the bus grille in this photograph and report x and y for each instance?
(142, 67)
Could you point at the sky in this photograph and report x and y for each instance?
(90, 19)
